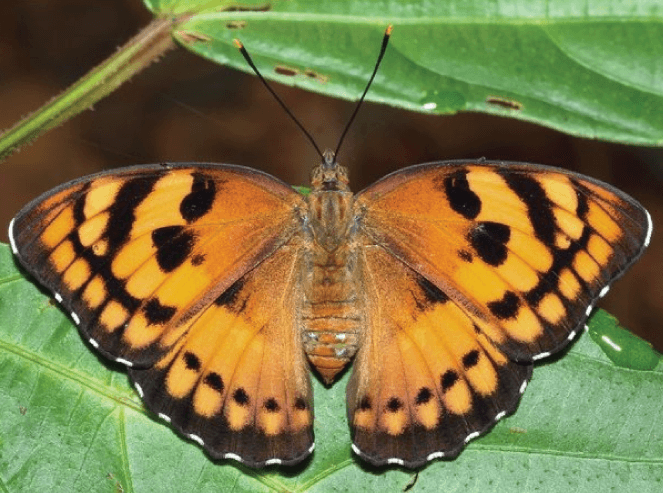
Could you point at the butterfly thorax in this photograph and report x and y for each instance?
(331, 313)
(330, 204)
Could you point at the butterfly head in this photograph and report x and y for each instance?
(329, 176)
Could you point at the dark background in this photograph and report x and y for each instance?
(187, 109)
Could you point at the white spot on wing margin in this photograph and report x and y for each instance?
(10, 233)
(650, 228)
(472, 436)
(232, 456)
(435, 455)
(539, 356)
(196, 438)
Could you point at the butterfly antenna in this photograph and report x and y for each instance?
(247, 57)
(385, 42)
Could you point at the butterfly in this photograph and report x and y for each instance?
(215, 284)
(219, 286)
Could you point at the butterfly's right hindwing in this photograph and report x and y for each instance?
(237, 381)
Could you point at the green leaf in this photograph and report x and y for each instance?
(623, 348)
(69, 421)
(592, 71)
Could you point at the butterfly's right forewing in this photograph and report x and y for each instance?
(134, 254)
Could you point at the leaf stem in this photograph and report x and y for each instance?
(139, 52)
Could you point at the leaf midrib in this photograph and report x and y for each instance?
(97, 386)
(346, 19)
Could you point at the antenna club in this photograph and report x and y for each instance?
(238, 44)
(387, 31)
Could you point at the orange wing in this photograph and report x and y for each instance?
(173, 270)
(134, 254)
(471, 272)
(524, 249)
(237, 381)
(425, 380)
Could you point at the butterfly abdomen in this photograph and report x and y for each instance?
(331, 315)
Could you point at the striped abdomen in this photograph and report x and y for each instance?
(331, 313)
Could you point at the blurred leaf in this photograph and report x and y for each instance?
(69, 421)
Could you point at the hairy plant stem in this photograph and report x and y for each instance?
(139, 52)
